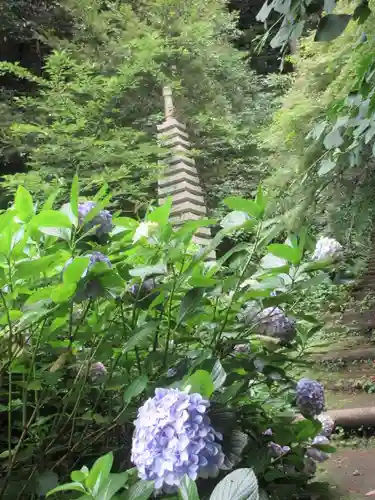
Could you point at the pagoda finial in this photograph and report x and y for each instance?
(168, 102)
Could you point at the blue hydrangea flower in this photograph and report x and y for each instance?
(327, 248)
(90, 287)
(173, 437)
(268, 432)
(310, 397)
(102, 221)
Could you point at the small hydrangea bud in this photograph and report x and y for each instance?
(328, 425)
(274, 323)
(143, 293)
(327, 248)
(259, 365)
(310, 467)
(173, 437)
(310, 397)
(268, 432)
(172, 372)
(317, 455)
(102, 221)
(241, 348)
(277, 450)
(97, 371)
(90, 287)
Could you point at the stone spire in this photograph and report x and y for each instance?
(180, 178)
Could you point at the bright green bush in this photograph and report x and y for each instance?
(84, 343)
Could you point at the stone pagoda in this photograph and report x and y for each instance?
(180, 178)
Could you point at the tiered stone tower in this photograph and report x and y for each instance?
(180, 178)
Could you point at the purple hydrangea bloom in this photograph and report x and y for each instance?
(102, 221)
(173, 437)
(328, 425)
(310, 397)
(327, 248)
(274, 323)
(268, 432)
(97, 371)
(90, 288)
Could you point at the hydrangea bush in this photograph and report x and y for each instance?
(120, 340)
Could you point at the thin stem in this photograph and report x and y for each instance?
(217, 337)
(18, 446)
(169, 320)
(10, 341)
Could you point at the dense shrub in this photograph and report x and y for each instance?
(77, 366)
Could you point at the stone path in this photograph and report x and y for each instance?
(351, 473)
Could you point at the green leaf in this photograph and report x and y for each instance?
(99, 472)
(140, 336)
(260, 199)
(270, 261)
(240, 484)
(33, 267)
(24, 203)
(78, 476)
(326, 166)
(62, 293)
(74, 195)
(112, 485)
(190, 303)
(200, 382)
(75, 270)
(305, 429)
(265, 11)
(145, 271)
(244, 205)
(161, 214)
(142, 490)
(291, 254)
(48, 205)
(333, 139)
(331, 26)
(329, 6)
(52, 218)
(135, 388)
(67, 487)
(46, 482)
(234, 219)
(362, 12)
(188, 489)
(218, 375)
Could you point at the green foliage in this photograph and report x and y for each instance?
(321, 141)
(74, 369)
(293, 18)
(96, 107)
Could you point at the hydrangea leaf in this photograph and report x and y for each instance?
(241, 484)
(188, 489)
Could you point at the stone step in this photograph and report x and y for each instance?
(346, 355)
